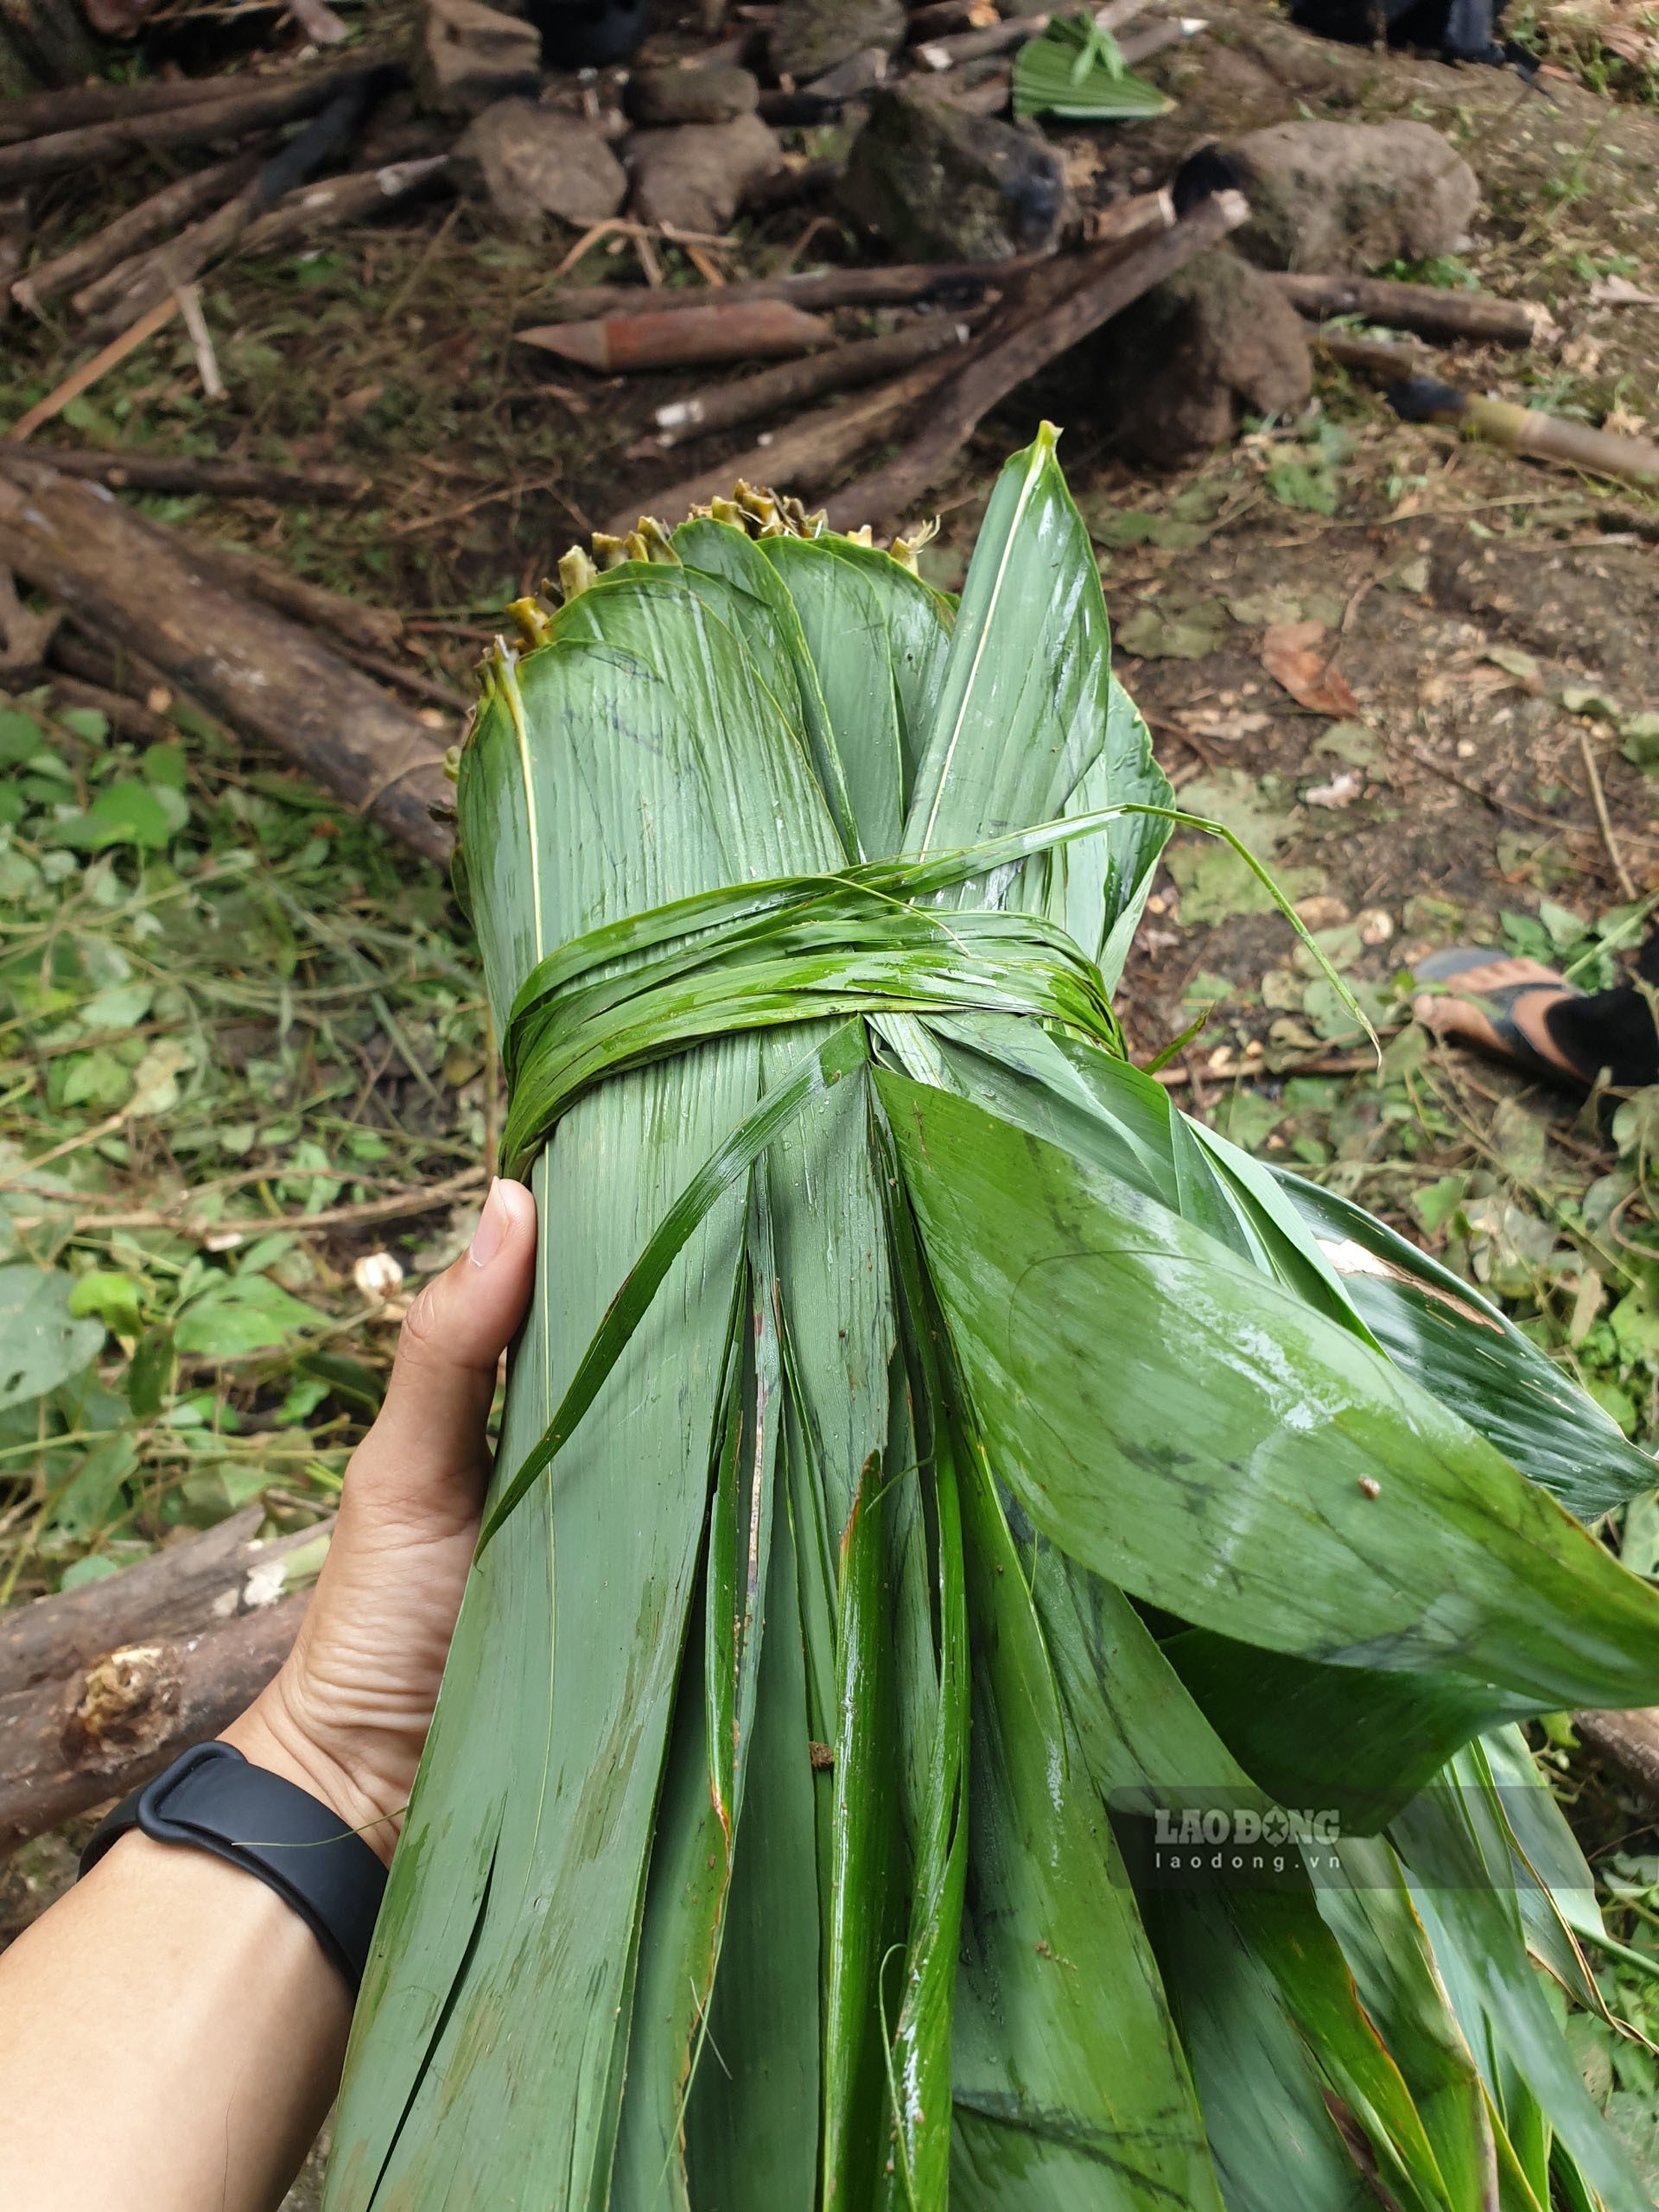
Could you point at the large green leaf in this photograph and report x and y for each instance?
(1307, 1497)
(42, 1344)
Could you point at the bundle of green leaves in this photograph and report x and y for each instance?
(944, 1491)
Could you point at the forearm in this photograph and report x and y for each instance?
(166, 1986)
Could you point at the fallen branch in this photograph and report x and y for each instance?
(220, 479)
(1098, 293)
(902, 285)
(151, 219)
(127, 715)
(67, 1747)
(972, 46)
(751, 399)
(264, 674)
(714, 330)
(1417, 397)
(802, 456)
(197, 1583)
(193, 123)
(128, 290)
(313, 208)
(1424, 308)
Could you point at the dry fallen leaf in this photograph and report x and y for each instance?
(1292, 653)
(377, 1275)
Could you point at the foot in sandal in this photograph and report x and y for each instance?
(1499, 1005)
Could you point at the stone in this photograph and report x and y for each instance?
(535, 161)
(1330, 197)
(471, 55)
(693, 178)
(716, 95)
(939, 184)
(1176, 369)
(812, 37)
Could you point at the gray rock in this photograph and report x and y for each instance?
(939, 184)
(812, 37)
(693, 178)
(1333, 196)
(471, 55)
(717, 95)
(1176, 368)
(536, 161)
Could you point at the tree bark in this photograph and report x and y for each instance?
(1630, 1740)
(900, 285)
(43, 114)
(195, 1584)
(376, 629)
(68, 1745)
(265, 675)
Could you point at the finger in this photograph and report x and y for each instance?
(427, 1449)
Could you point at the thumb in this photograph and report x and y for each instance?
(427, 1453)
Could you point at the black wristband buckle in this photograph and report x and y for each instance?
(212, 1800)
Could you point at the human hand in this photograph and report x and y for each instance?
(347, 1715)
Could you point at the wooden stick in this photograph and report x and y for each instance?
(150, 218)
(70, 1746)
(1424, 308)
(192, 124)
(178, 1591)
(239, 568)
(900, 285)
(111, 302)
(125, 714)
(714, 330)
(201, 341)
(751, 399)
(970, 45)
(267, 676)
(1605, 820)
(1101, 293)
(84, 378)
(220, 479)
(801, 456)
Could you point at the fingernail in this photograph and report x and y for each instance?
(493, 1226)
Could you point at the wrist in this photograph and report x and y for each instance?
(270, 1734)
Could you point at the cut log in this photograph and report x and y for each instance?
(751, 400)
(66, 1747)
(1424, 308)
(238, 568)
(220, 479)
(151, 219)
(196, 1583)
(803, 455)
(262, 107)
(265, 675)
(1097, 294)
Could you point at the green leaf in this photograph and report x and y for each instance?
(115, 1298)
(238, 1314)
(42, 1344)
(1456, 1563)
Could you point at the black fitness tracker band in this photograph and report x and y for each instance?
(213, 1799)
